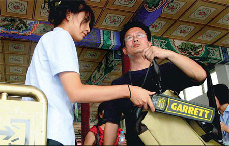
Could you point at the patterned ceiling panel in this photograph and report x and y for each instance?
(85, 75)
(117, 70)
(113, 19)
(33, 45)
(94, 55)
(2, 77)
(226, 2)
(15, 79)
(160, 26)
(110, 78)
(94, 106)
(126, 5)
(17, 8)
(97, 11)
(41, 12)
(223, 41)
(1, 58)
(16, 47)
(175, 9)
(208, 35)
(115, 73)
(87, 66)
(222, 20)
(98, 3)
(14, 59)
(83, 81)
(182, 30)
(79, 50)
(93, 112)
(2, 71)
(105, 83)
(202, 12)
(1, 46)
(12, 69)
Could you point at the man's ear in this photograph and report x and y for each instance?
(124, 51)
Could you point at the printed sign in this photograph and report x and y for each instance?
(182, 108)
(15, 132)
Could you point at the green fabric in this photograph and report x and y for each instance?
(106, 39)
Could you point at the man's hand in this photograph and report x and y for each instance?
(224, 127)
(155, 52)
(141, 97)
(184, 63)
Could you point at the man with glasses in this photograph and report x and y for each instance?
(178, 74)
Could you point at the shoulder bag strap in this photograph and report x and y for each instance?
(216, 129)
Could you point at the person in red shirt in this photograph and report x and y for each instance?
(97, 131)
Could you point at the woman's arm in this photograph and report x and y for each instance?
(89, 139)
(78, 92)
(110, 133)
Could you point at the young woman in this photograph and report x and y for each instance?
(54, 69)
(97, 131)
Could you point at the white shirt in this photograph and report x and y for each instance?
(55, 53)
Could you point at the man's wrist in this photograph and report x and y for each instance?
(129, 90)
(171, 55)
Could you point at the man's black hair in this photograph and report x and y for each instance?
(222, 93)
(130, 25)
(59, 9)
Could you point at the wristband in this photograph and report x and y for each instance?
(129, 90)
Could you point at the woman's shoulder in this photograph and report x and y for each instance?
(57, 33)
(93, 129)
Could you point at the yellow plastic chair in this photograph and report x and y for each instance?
(22, 122)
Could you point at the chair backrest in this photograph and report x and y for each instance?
(22, 122)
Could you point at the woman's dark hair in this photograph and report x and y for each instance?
(59, 9)
(100, 112)
(130, 25)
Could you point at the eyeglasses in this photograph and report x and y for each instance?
(138, 35)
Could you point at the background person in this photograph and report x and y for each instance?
(181, 72)
(54, 69)
(222, 102)
(91, 137)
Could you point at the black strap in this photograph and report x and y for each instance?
(215, 132)
(97, 135)
(157, 77)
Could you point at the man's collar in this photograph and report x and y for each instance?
(227, 109)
